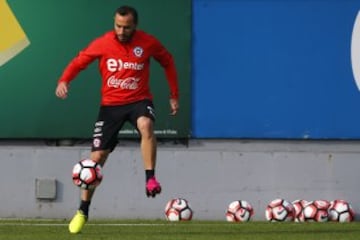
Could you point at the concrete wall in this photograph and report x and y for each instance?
(208, 173)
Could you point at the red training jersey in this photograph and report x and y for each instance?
(124, 67)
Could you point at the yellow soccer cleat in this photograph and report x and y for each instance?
(77, 222)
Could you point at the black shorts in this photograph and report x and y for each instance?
(112, 118)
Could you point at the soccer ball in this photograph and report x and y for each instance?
(341, 211)
(316, 211)
(178, 209)
(239, 211)
(299, 205)
(279, 210)
(87, 174)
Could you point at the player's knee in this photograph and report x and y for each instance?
(145, 126)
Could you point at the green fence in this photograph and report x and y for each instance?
(53, 33)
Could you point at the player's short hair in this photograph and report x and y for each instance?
(125, 10)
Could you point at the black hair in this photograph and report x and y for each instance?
(125, 10)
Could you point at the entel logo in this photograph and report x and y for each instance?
(114, 65)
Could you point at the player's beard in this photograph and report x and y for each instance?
(124, 38)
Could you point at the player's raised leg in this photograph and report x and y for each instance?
(148, 147)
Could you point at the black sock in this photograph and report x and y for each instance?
(149, 174)
(84, 207)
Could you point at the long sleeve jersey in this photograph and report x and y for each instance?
(124, 67)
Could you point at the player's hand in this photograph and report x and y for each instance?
(174, 106)
(62, 90)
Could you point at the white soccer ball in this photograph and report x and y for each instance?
(87, 174)
(299, 205)
(341, 211)
(178, 209)
(316, 211)
(279, 210)
(239, 211)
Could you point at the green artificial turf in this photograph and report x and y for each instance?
(162, 230)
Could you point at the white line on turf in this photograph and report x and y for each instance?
(89, 224)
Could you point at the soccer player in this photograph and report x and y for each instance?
(124, 58)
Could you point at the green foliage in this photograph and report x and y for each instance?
(162, 230)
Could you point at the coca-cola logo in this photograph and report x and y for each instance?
(127, 83)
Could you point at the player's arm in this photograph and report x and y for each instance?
(166, 60)
(77, 64)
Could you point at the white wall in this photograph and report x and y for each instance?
(208, 173)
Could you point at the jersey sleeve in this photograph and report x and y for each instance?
(81, 61)
(166, 60)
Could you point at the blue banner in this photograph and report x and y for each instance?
(276, 69)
